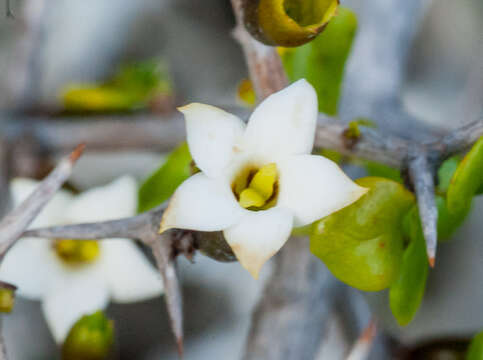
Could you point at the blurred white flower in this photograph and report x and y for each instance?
(73, 278)
(258, 180)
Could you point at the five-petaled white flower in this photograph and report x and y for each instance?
(258, 180)
(76, 277)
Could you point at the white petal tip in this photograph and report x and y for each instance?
(303, 85)
(193, 107)
(359, 192)
(250, 261)
(185, 108)
(254, 273)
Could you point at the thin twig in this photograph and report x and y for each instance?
(165, 261)
(15, 223)
(3, 347)
(457, 140)
(362, 347)
(25, 72)
(264, 65)
(137, 227)
(421, 175)
(8, 10)
(371, 145)
(4, 175)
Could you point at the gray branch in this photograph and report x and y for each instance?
(23, 77)
(3, 348)
(376, 67)
(264, 65)
(421, 174)
(371, 145)
(289, 320)
(140, 227)
(14, 224)
(458, 140)
(362, 347)
(165, 260)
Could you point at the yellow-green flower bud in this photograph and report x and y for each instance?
(287, 22)
(7, 297)
(90, 338)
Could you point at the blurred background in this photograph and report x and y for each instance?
(87, 41)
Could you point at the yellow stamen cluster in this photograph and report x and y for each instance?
(77, 252)
(257, 189)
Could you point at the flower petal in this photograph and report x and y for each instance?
(284, 123)
(30, 264)
(258, 236)
(67, 302)
(51, 214)
(113, 201)
(314, 187)
(129, 274)
(201, 203)
(213, 135)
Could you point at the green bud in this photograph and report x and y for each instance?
(7, 297)
(287, 23)
(90, 338)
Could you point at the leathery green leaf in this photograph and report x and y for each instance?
(362, 244)
(407, 291)
(467, 180)
(133, 86)
(322, 61)
(475, 351)
(446, 172)
(448, 222)
(162, 183)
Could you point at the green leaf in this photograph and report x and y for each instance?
(407, 291)
(322, 61)
(448, 222)
(362, 244)
(133, 86)
(381, 170)
(467, 180)
(475, 351)
(446, 172)
(162, 183)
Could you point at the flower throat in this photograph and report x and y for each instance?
(257, 189)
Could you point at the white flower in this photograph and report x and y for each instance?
(258, 180)
(115, 268)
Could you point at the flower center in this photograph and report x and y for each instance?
(77, 252)
(256, 189)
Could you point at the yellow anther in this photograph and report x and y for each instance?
(250, 198)
(76, 252)
(260, 188)
(264, 180)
